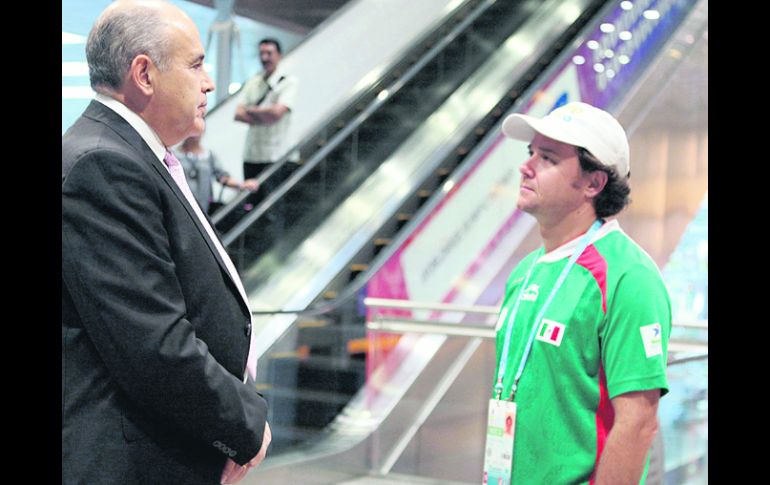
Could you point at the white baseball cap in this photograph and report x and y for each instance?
(578, 124)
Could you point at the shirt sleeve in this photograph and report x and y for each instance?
(252, 91)
(286, 92)
(634, 335)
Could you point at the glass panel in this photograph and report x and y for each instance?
(683, 415)
(684, 411)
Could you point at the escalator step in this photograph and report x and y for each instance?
(380, 244)
(312, 323)
(380, 343)
(331, 340)
(302, 352)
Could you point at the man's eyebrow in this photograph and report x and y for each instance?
(546, 150)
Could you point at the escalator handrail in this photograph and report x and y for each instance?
(317, 157)
(264, 175)
(352, 289)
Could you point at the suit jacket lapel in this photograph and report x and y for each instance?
(98, 112)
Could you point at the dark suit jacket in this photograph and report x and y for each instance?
(155, 335)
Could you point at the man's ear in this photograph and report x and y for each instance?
(597, 180)
(141, 74)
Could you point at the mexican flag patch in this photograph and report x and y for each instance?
(550, 332)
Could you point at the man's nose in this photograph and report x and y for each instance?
(208, 83)
(527, 167)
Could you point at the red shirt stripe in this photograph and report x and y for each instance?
(597, 265)
(605, 416)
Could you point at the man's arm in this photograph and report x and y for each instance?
(242, 115)
(260, 115)
(629, 440)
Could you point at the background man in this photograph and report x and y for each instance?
(588, 393)
(267, 103)
(155, 323)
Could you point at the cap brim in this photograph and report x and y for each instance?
(524, 128)
(519, 127)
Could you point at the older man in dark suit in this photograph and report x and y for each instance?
(156, 327)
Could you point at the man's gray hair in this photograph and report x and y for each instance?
(118, 37)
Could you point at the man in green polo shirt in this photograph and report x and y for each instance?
(583, 330)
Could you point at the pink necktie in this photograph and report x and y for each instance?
(177, 173)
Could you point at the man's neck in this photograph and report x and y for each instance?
(556, 233)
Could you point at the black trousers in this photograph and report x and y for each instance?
(252, 170)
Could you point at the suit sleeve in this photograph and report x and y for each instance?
(118, 266)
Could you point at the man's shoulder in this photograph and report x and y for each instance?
(281, 76)
(253, 86)
(283, 82)
(89, 141)
(254, 81)
(619, 249)
(625, 257)
(87, 135)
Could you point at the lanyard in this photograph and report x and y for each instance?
(506, 343)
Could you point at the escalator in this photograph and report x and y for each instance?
(355, 142)
(350, 198)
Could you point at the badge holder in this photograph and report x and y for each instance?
(498, 456)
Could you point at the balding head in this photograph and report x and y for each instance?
(148, 56)
(126, 29)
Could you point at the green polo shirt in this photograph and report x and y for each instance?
(605, 333)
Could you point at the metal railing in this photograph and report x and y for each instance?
(393, 324)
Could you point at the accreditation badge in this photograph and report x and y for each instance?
(498, 456)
